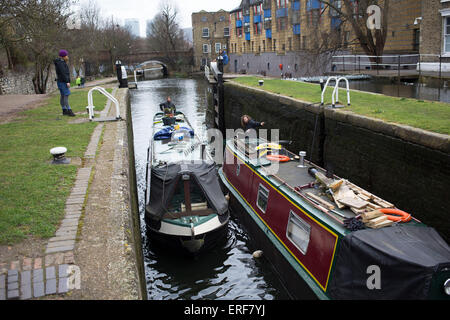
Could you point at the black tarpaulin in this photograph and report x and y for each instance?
(164, 181)
(407, 257)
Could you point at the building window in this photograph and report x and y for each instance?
(226, 31)
(263, 193)
(222, 18)
(204, 19)
(282, 3)
(205, 48)
(205, 32)
(217, 47)
(447, 35)
(416, 40)
(298, 232)
(204, 60)
(274, 44)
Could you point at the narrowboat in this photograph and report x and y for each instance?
(185, 208)
(326, 237)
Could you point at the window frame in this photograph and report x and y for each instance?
(203, 32)
(205, 45)
(301, 224)
(217, 44)
(261, 187)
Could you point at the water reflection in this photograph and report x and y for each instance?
(227, 272)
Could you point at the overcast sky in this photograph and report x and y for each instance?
(146, 9)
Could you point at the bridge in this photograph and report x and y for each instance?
(167, 58)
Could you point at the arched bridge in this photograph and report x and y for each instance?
(167, 58)
(152, 66)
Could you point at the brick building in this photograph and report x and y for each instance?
(302, 35)
(434, 24)
(211, 32)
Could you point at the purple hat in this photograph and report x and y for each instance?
(63, 53)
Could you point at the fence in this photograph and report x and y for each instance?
(353, 63)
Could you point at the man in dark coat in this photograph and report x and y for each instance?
(63, 81)
(168, 107)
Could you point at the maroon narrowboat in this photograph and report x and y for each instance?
(322, 250)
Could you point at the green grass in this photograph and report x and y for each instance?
(427, 115)
(32, 191)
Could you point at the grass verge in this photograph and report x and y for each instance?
(427, 115)
(32, 191)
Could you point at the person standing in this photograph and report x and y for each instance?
(63, 81)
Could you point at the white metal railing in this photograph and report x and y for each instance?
(335, 94)
(207, 72)
(91, 106)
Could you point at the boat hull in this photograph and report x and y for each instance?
(189, 245)
(297, 288)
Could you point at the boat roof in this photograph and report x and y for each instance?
(177, 142)
(286, 176)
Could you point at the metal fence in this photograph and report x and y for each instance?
(399, 63)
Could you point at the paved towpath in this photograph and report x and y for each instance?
(91, 254)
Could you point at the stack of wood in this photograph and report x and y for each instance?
(358, 200)
(376, 219)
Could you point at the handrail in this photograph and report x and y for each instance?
(335, 95)
(325, 88)
(91, 106)
(336, 91)
(206, 72)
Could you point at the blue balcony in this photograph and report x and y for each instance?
(267, 13)
(296, 5)
(257, 19)
(238, 23)
(314, 4)
(335, 22)
(282, 12)
(269, 33)
(246, 19)
(247, 36)
(296, 28)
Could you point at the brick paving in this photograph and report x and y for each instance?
(36, 277)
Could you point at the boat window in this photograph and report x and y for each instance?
(263, 196)
(298, 231)
(197, 198)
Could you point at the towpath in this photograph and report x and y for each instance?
(92, 254)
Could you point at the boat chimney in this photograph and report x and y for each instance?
(301, 161)
(202, 151)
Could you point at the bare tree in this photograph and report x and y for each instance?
(354, 13)
(164, 33)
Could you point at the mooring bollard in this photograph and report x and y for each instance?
(59, 155)
(261, 82)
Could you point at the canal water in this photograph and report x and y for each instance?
(227, 272)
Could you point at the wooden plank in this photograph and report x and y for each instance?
(382, 224)
(371, 215)
(375, 221)
(354, 202)
(325, 203)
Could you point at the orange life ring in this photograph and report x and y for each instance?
(278, 157)
(400, 216)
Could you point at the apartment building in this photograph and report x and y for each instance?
(211, 32)
(299, 37)
(434, 23)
